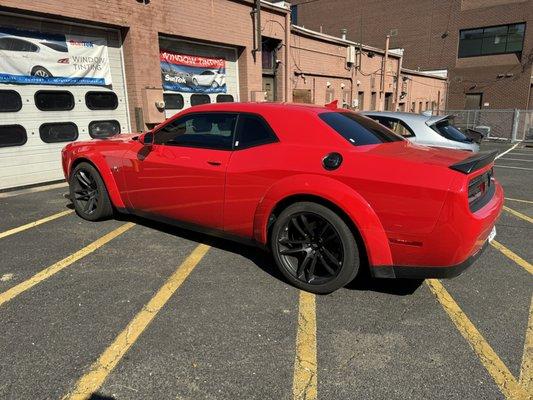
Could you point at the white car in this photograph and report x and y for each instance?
(426, 130)
(210, 78)
(35, 57)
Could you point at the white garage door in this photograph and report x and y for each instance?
(36, 120)
(176, 100)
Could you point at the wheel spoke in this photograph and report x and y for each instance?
(303, 265)
(331, 257)
(298, 227)
(90, 205)
(83, 179)
(293, 251)
(307, 226)
(330, 237)
(311, 270)
(81, 195)
(288, 242)
(325, 264)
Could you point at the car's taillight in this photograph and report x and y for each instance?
(479, 185)
(63, 61)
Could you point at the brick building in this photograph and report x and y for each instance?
(485, 45)
(256, 60)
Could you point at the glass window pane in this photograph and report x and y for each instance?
(58, 132)
(225, 98)
(253, 131)
(357, 129)
(12, 135)
(54, 100)
(101, 100)
(197, 99)
(209, 130)
(515, 38)
(103, 129)
(173, 101)
(494, 40)
(10, 101)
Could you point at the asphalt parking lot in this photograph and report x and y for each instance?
(131, 309)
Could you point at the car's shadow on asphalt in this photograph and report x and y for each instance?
(264, 260)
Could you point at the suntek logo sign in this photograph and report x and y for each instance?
(81, 43)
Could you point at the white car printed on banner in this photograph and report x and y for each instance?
(33, 57)
(210, 78)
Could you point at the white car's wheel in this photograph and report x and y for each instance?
(41, 72)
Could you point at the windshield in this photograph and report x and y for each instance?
(446, 129)
(359, 130)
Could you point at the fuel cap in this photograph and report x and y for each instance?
(332, 161)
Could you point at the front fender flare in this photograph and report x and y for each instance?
(344, 197)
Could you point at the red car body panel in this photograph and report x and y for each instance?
(408, 206)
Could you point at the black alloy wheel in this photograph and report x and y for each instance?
(314, 248)
(88, 193)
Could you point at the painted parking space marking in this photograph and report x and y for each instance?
(513, 256)
(506, 151)
(518, 214)
(60, 265)
(99, 371)
(508, 166)
(305, 363)
(526, 369)
(516, 159)
(33, 224)
(499, 372)
(519, 200)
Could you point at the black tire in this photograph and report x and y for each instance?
(89, 194)
(314, 248)
(41, 71)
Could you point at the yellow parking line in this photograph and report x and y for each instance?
(488, 357)
(518, 214)
(526, 370)
(519, 200)
(513, 256)
(305, 364)
(33, 224)
(60, 265)
(92, 380)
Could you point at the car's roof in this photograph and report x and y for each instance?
(261, 106)
(407, 116)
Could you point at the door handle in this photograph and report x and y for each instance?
(215, 163)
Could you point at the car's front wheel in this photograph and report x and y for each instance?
(89, 194)
(41, 72)
(314, 248)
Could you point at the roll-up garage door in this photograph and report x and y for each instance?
(39, 117)
(194, 73)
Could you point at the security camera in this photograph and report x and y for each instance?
(160, 104)
(278, 61)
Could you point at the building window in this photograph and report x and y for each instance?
(197, 99)
(57, 132)
(294, 15)
(225, 98)
(373, 101)
(269, 49)
(12, 135)
(101, 100)
(492, 40)
(54, 100)
(473, 101)
(173, 101)
(10, 101)
(103, 129)
(361, 100)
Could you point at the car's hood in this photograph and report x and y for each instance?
(408, 151)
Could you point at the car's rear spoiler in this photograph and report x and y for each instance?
(475, 162)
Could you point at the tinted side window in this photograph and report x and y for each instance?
(357, 129)
(225, 98)
(197, 99)
(103, 129)
(209, 130)
(253, 131)
(54, 100)
(394, 125)
(12, 135)
(101, 100)
(57, 132)
(10, 101)
(173, 101)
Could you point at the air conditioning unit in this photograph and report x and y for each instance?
(350, 55)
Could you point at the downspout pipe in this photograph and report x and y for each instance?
(287, 95)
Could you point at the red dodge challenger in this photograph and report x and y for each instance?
(327, 190)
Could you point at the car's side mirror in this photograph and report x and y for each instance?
(147, 139)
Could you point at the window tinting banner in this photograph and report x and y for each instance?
(192, 74)
(49, 59)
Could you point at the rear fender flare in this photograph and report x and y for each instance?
(348, 200)
(105, 172)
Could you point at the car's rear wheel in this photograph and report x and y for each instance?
(314, 248)
(41, 71)
(89, 194)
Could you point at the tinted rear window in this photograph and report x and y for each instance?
(357, 129)
(12, 135)
(446, 129)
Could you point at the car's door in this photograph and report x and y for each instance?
(182, 174)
